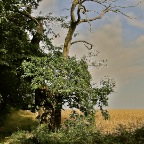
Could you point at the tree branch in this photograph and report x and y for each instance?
(74, 4)
(97, 17)
(108, 8)
(78, 13)
(25, 13)
(119, 11)
(78, 8)
(91, 46)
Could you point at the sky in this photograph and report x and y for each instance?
(119, 40)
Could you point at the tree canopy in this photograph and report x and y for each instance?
(15, 46)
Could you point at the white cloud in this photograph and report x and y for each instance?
(125, 64)
(122, 60)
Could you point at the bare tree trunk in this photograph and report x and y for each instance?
(68, 39)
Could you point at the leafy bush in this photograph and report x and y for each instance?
(77, 129)
(21, 137)
(124, 136)
(139, 135)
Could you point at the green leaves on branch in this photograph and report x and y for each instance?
(58, 74)
(69, 78)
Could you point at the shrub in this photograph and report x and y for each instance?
(139, 135)
(20, 137)
(75, 130)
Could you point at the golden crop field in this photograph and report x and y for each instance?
(131, 119)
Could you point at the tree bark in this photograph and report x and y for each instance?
(68, 39)
(72, 28)
(58, 111)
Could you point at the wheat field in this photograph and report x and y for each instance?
(130, 119)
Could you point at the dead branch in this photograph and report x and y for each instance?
(97, 17)
(79, 8)
(91, 45)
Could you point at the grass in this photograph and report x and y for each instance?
(25, 120)
(18, 120)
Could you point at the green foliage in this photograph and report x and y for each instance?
(20, 137)
(139, 134)
(68, 77)
(79, 128)
(73, 131)
(15, 46)
(121, 136)
(16, 25)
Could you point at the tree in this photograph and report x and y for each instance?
(65, 81)
(54, 77)
(15, 46)
(90, 94)
(16, 24)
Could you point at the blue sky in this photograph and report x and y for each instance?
(120, 40)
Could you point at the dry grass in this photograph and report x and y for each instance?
(130, 119)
